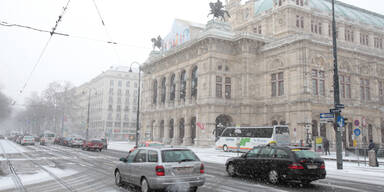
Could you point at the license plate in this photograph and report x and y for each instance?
(183, 170)
(312, 166)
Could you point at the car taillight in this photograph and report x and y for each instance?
(160, 170)
(202, 168)
(295, 166)
(322, 166)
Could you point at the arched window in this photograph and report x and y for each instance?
(171, 128)
(181, 128)
(314, 129)
(370, 132)
(274, 122)
(193, 129)
(282, 122)
(162, 129)
(163, 89)
(323, 130)
(194, 82)
(183, 84)
(173, 88)
(154, 98)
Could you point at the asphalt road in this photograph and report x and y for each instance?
(95, 173)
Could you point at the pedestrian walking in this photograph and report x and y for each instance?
(326, 146)
(373, 146)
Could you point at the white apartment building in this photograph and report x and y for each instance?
(112, 96)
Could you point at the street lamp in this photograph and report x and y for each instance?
(138, 103)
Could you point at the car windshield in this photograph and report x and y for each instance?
(155, 144)
(301, 154)
(96, 141)
(178, 155)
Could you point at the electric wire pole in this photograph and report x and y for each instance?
(339, 155)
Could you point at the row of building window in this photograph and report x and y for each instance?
(118, 108)
(316, 27)
(120, 83)
(118, 116)
(298, 2)
(318, 86)
(119, 100)
(172, 84)
(118, 124)
(120, 92)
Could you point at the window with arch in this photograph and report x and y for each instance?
(277, 84)
(171, 128)
(300, 2)
(365, 93)
(318, 82)
(381, 92)
(274, 122)
(162, 129)
(154, 97)
(314, 129)
(194, 82)
(181, 128)
(370, 132)
(172, 85)
(348, 34)
(345, 84)
(193, 129)
(183, 84)
(163, 89)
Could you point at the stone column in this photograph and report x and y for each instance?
(176, 132)
(187, 140)
(167, 91)
(166, 138)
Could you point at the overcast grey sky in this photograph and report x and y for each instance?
(78, 59)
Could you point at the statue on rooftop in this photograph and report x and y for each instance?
(157, 42)
(217, 10)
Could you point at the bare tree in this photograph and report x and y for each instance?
(5, 107)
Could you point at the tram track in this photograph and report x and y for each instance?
(15, 178)
(61, 182)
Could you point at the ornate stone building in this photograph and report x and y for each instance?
(271, 63)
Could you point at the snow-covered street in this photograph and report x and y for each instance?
(59, 168)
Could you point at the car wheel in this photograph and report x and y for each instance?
(145, 186)
(231, 170)
(100, 150)
(273, 177)
(193, 189)
(225, 148)
(118, 180)
(306, 182)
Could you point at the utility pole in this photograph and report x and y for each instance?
(339, 155)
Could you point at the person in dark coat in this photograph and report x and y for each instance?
(372, 146)
(326, 146)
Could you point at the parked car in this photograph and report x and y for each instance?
(94, 144)
(18, 139)
(105, 143)
(148, 144)
(75, 142)
(277, 164)
(42, 141)
(57, 140)
(154, 168)
(27, 140)
(2, 137)
(65, 141)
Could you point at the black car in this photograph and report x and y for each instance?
(278, 164)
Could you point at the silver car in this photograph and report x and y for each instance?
(153, 168)
(27, 140)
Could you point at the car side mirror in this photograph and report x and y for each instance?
(123, 159)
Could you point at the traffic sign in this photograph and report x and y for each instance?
(335, 110)
(326, 117)
(357, 131)
(340, 121)
(357, 123)
(339, 106)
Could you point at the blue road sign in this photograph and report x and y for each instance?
(340, 121)
(357, 131)
(326, 115)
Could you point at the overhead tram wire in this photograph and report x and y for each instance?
(6, 24)
(45, 47)
(106, 30)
